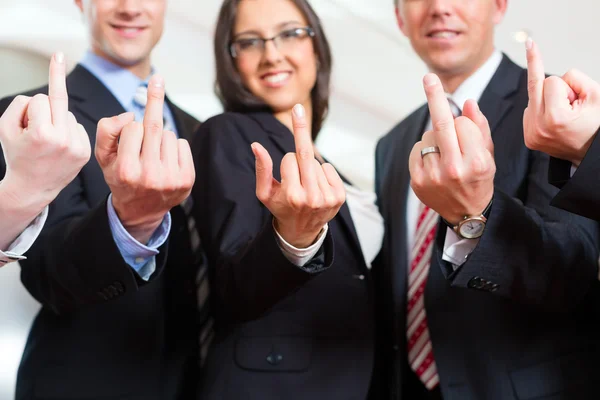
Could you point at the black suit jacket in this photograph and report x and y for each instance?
(282, 333)
(516, 320)
(579, 194)
(102, 332)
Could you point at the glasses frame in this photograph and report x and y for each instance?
(310, 32)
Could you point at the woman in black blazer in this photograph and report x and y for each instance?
(292, 292)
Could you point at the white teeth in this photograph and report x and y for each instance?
(130, 30)
(444, 35)
(277, 77)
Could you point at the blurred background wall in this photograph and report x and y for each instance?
(376, 83)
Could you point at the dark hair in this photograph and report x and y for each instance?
(229, 87)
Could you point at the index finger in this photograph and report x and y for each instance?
(535, 76)
(304, 146)
(442, 119)
(57, 90)
(153, 115)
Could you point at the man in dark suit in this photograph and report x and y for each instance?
(119, 319)
(563, 120)
(480, 299)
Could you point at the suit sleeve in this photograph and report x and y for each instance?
(579, 194)
(249, 270)
(532, 252)
(75, 261)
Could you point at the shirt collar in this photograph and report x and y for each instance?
(119, 81)
(473, 87)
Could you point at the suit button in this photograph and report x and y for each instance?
(475, 283)
(274, 359)
(119, 287)
(359, 277)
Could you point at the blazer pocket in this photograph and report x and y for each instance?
(565, 373)
(275, 354)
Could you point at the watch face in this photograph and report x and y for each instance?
(472, 229)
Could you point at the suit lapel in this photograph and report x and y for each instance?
(495, 102)
(284, 140)
(401, 179)
(186, 125)
(91, 97)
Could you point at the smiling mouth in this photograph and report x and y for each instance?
(443, 34)
(128, 30)
(275, 79)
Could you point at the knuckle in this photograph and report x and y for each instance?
(315, 201)
(479, 165)
(304, 154)
(443, 125)
(532, 84)
(295, 201)
(453, 173)
(22, 100)
(154, 127)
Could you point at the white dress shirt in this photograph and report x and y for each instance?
(22, 243)
(456, 250)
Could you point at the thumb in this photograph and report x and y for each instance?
(471, 110)
(264, 173)
(107, 136)
(580, 85)
(14, 119)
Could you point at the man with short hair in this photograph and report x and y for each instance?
(120, 319)
(485, 289)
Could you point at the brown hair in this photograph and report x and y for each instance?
(229, 87)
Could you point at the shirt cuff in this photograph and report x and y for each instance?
(140, 257)
(573, 170)
(457, 250)
(300, 257)
(24, 241)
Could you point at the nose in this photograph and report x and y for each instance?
(130, 8)
(271, 54)
(440, 8)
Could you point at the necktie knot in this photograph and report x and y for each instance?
(140, 98)
(456, 110)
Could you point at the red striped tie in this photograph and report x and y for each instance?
(420, 352)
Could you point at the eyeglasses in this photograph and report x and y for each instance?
(255, 46)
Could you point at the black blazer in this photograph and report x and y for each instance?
(282, 333)
(579, 194)
(516, 320)
(102, 332)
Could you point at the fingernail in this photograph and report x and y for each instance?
(59, 57)
(158, 81)
(253, 147)
(529, 43)
(299, 110)
(430, 80)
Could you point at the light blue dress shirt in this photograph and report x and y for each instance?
(123, 85)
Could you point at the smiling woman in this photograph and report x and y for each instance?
(293, 321)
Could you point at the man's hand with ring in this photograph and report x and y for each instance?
(457, 180)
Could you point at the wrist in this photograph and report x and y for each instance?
(140, 227)
(299, 240)
(16, 201)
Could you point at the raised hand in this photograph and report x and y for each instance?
(148, 170)
(458, 180)
(309, 194)
(44, 146)
(563, 114)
